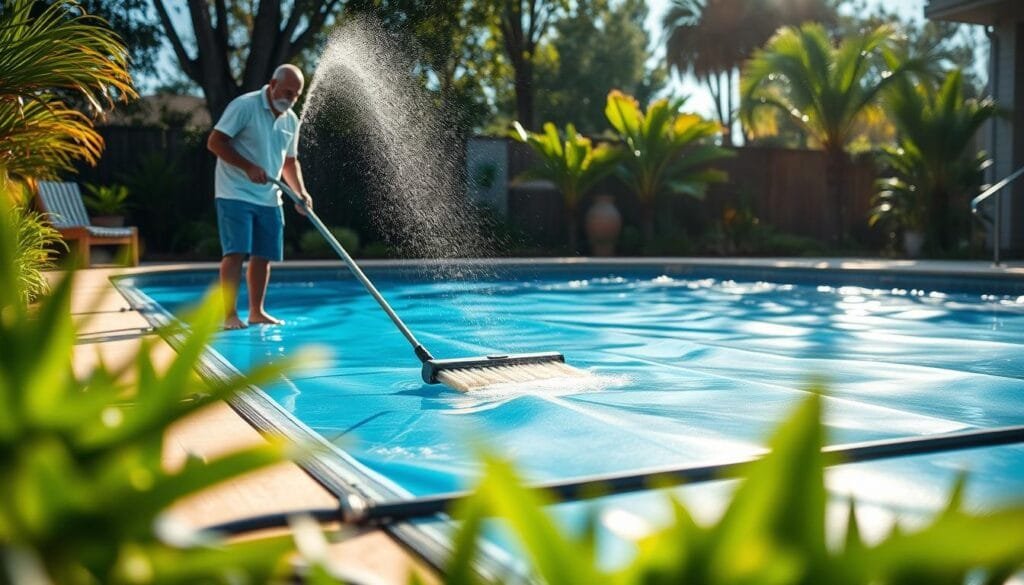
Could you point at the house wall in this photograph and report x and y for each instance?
(1002, 137)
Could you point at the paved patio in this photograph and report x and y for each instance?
(109, 331)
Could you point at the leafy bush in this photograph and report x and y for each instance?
(313, 244)
(197, 237)
(569, 160)
(158, 183)
(80, 460)
(35, 241)
(773, 531)
(667, 152)
(741, 232)
(106, 199)
(53, 52)
(934, 169)
(377, 250)
(777, 243)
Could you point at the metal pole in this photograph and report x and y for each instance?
(998, 232)
(421, 352)
(357, 510)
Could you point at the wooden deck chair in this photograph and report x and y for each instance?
(63, 204)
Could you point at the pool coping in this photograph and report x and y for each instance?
(264, 414)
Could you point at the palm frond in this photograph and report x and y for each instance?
(61, 48)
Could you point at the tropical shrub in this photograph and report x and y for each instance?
(106, 199)
(35, 243)
(932, 167)
(81, 460)
(570, 161)
(712, 38)
(667, 152)
(772, 531)
(314, 244)
(158, 182)
(48, 52)
(825, 90)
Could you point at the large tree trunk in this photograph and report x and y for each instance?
(836, 175)
(939, 231)
(274, 41)
(729, 111)
(573, 231)
(647, 209)
(523, 22)
(524, 94)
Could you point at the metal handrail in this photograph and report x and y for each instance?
(997, 222)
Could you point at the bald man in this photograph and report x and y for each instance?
(256, 137)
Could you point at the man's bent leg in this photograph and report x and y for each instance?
(230, 279)
(258, 277)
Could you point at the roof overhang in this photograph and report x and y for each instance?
(987, 12)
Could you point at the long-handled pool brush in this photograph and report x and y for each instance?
(462, 374)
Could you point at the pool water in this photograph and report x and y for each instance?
(687, 369)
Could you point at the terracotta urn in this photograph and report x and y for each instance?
(603, 223)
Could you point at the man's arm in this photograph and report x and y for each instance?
(219, 144)
(292, 173)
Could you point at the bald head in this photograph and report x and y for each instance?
(285, 87)
(288, 72)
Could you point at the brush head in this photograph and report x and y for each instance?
(465, 374)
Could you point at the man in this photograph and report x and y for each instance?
(257, 137)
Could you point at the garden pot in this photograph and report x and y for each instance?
(603, 225)
(913, 241)
(108, 220)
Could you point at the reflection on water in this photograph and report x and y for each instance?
(683, 371)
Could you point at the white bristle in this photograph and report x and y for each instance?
(467, 379)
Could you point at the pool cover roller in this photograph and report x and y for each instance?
(462, 374)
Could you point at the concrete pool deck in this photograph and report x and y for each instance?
(109, 332)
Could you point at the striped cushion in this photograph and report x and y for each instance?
(109, 232)
(63, 201)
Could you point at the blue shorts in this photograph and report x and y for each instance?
(247, 228)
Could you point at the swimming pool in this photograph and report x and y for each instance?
(694, 364)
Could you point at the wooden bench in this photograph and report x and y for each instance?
(62, 202)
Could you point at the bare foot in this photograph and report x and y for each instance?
(264, 319)
(233, 322)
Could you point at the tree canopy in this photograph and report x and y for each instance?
(598, 47)
(237, 47)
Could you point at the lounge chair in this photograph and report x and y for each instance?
(63, 203)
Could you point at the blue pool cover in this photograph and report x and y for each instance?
(691, 366)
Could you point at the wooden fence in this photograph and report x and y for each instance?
(784, 188)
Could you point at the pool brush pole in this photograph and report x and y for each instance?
(421, 352)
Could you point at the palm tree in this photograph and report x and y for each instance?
(571, 162)
(47, 53)
(697, 43)
(932, 164)
(667, 151)
(712, 38)
(824, 90)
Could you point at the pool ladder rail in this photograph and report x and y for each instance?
(462, 374)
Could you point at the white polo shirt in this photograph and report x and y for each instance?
(261, 137)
